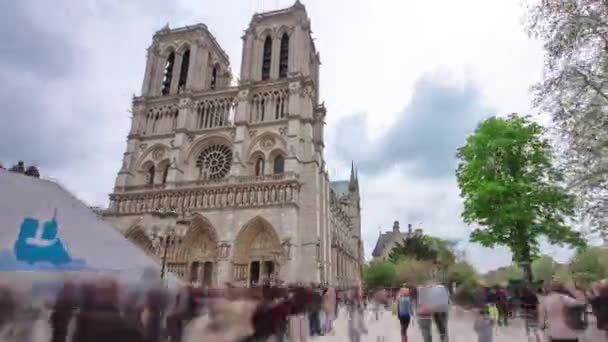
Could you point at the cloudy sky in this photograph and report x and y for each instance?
(404, 83)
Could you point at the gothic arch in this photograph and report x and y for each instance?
(201, 240)
(256, 143)
(282, 30)
(257, 239)
(183, 47)
(267, 32)
(278, 166)
(163, 169)
(197, 146)
(166, 51)
(277, 152)
(137, 236)
(146, 156)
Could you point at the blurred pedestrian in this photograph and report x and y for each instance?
(404, 311)
(484, 326)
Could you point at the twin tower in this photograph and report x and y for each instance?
(241, 162)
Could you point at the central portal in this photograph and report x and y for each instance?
(257, 254)
(261, 272)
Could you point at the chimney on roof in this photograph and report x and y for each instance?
(32, 171)
(20, 167)
(396, 227)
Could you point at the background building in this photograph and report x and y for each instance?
(242, 164)
(387, 240)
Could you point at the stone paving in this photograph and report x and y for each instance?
(460, 328)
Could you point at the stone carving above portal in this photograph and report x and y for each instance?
(158, 153)
(252, 133)
(283, 130)
(143, 147)
(262, 242)
(268, 143)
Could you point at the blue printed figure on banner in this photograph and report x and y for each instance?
(38, 247)
(37, 243)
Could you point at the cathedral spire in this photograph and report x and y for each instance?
(353, 180)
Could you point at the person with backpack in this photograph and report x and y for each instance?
(404, 311)
(563, 314)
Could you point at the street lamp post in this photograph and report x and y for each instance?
(170, 239)
(166, 235)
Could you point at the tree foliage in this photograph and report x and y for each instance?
(462, 274)
(586, 267)
(379, 273)
(503, 275)
(511, 189)
(544, 269)
(415, 272)
(416, 246)
(575, 92)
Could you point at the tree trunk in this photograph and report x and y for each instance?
(527, 264)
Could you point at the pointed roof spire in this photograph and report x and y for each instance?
(353, 182)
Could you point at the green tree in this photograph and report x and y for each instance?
(574, 93)
(416, 246)
(379, 273)
(511, 190)
(446, 254)
(544, 268)
(415, 272)
(564, 275)
(462, 274)
(586, 267)
(506, 274)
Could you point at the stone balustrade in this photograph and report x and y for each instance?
(232, 192)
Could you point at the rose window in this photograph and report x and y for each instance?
(214, 162)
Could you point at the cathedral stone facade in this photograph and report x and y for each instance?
(241, 162)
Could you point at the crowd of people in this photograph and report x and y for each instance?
(552, 313)
(104, 310)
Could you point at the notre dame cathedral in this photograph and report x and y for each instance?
(241, 163)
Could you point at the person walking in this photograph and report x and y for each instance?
(329, 308)
(484, 326)
(404, 311)
(356, 324)
(433, 305)
(558, 310)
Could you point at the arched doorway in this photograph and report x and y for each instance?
(200, 247)
(193, 258)
(257, 253)
(140, 239)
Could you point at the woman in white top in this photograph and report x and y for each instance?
(552, 311)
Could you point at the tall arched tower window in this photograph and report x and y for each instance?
(214, 77)
(259, 167)
(168, 75)
(284, 56)
(183, 74)
(266, 58)
(278, 165)
(151, 172)
(165, 173)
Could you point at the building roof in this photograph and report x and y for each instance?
(384, 239)
(340, 188)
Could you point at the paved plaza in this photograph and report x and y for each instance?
(460, 329)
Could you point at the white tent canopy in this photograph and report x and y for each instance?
(45, 230)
